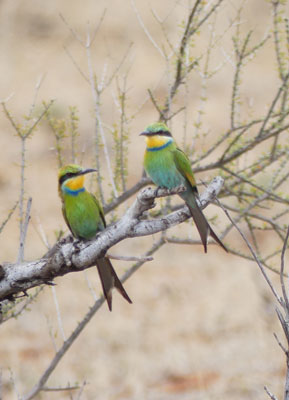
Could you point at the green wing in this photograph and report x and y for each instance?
(98, 205)
(184, 167)
(66, 220)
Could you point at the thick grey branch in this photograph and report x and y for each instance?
(69, 255)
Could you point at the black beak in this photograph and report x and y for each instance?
(87, 171)
(144, 133)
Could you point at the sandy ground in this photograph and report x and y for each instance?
(201, 326)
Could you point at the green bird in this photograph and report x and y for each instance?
(85, 218)
(169, 167)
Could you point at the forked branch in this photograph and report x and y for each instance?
(70, 256)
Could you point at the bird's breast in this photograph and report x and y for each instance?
(83, 216)
(161, 167)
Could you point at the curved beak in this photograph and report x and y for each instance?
(87, 171)
(145, 133)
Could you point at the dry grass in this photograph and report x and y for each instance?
(201, 326)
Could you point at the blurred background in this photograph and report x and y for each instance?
(201, 325)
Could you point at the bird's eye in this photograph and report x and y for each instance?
(68, 175)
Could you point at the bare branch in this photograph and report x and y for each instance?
(151, 39)
(11, 212)
(280, 344)
(72, 31)
(129, 258)
(58, 313)
(284, 292)
(59, 389)
(272, 397)
(13, 311)
(244, 149)
(23, 231)
(126, 195)
(63, 257)
(256, 258)
(62, 351)
(283, 87)
(68, 343)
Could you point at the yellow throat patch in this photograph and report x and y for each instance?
(156, 141)
(75, 183)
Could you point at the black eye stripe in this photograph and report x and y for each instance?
(161, 133)
(67, 176)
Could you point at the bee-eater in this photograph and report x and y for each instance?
(85, 218)
(169, 167)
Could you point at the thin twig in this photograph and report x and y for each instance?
(23, 231)
(14, 385)
(58, 313)
(59, 389)
(11, 212)
(283, 87)
(71, 339)
(126, 195)
(284, 291)
(80, 391)
(146, 31)
(90, 287)
(129, 258)
(72, 31)
(74, 62)
(256, 258)
(99, 132)
(280, 344)
(32, 107)
(24, 306)
(62, 351)
(272, 397)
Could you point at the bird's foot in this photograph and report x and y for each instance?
(76, 246)
(157, 190)
(75, 249)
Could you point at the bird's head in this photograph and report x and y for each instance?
(71, 177)
(157, 135)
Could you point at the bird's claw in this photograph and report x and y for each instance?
(157, 191)
(76, 246)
